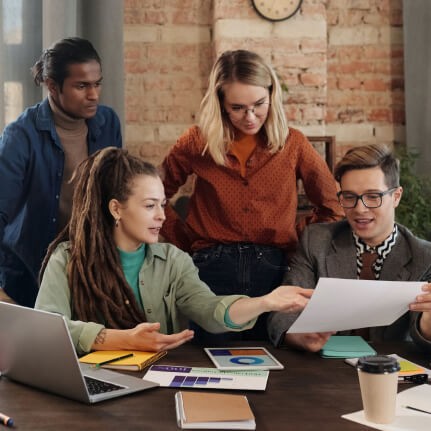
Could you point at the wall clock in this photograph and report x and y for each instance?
(276, 10)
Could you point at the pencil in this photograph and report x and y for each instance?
(112, 360)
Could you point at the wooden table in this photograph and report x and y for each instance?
(311, 393)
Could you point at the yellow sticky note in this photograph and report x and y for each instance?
(408, 368)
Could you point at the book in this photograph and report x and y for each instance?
(346, 346)
(137, 362)
(180, 377)
(213, 411)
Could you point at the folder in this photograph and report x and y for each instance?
(346, 346)
(137, 362)
(213, 411)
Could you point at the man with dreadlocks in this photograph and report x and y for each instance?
(119, 288)
(38, 154)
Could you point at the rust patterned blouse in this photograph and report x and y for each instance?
(259, 207)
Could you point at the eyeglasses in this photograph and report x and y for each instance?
(370, 200)
(239, 111)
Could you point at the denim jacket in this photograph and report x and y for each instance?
(31, 173)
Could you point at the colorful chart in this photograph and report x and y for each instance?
(206, 378)
(184, 381)
(242, 358)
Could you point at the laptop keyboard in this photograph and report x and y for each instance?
(95, 386)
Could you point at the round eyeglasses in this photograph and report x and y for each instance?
(238, 112)
(370, 200)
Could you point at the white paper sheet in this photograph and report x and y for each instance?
(405, 419)
(174, 376)
(418, 397)
(340, 304)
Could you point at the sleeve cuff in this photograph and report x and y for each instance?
(228, 322)
(88, 336)
(223, 306)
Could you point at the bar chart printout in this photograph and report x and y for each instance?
(206, 378)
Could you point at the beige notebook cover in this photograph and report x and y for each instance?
(210, 407)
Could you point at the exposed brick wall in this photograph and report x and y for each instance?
(168, 57)
(342, 61)
(296, 48)
(365, 72)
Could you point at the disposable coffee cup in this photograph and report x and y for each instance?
(378, 379)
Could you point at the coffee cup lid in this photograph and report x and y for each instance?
(378, 364)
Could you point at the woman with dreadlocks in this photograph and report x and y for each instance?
(119, 288)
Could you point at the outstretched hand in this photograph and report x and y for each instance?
(288, 299)
(146, 336)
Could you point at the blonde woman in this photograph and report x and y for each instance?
(241, 220)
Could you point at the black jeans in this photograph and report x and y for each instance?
(239, 268)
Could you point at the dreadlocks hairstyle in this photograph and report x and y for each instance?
(99, 290)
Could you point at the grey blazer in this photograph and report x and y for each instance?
(328, 250)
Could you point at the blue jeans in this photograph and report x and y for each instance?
(239, 268)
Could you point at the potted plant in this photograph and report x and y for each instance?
(414, 210)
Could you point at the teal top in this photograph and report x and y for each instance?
(132, 262)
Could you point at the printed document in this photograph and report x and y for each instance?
(339, 304)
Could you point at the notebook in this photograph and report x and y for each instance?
(346, 346)
(137, 362)
(37, 350)
(213, 411)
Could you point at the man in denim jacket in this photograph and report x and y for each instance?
(38, 153)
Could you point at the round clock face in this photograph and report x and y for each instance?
(276, 10)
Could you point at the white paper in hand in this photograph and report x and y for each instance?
(340, 304)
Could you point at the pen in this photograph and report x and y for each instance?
(6, 420)
(112, 360)
(418, 410)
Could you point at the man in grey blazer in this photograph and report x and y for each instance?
(370, 192)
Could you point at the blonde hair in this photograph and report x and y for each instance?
(248, 68)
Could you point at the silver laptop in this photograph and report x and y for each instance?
(36, 349)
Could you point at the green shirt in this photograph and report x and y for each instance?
(170, 289)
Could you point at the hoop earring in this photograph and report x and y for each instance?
(117, 221)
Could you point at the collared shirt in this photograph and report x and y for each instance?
(382, 250)
(169, 286)
(259, 206)
(31, 172)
